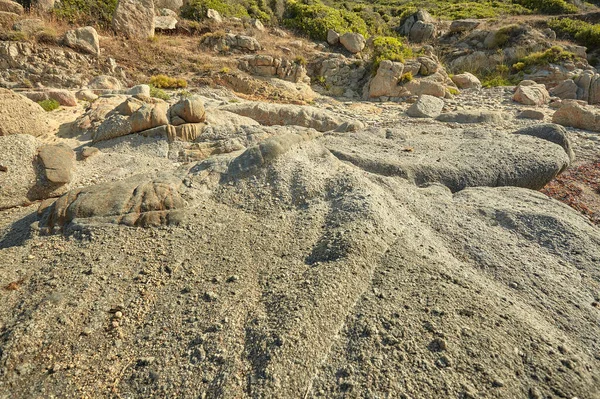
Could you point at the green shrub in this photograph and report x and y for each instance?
(316, 19)
(389, 48)
(158, 93)
(49, 105)
(551, 56)
(453, 90)
(196, 9)
(484, 9)
(300, 60)
(406, 77)
(549, 6)
(582, 32)
(86, 12)
(167, 82)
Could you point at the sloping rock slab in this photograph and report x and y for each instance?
(456, 159)
(284, 114)
(138, 201)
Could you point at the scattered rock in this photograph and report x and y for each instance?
(464, 25)
(87, 152)
(333, 38)
(530, 93)
(83, 39)
(553, 133)
(353, 42)
(577, 114)
(256, 24)
(466, 81)
(105, 82)
(426, 107)
(566, 90)
(139, 90)
(418, 27)
(531, 114)
(187, 110)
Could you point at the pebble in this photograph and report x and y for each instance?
(210, 296)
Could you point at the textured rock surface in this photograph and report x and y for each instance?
(83, 39)
(466, 81)
(472, 117)
(57, 161)
(11, 6)
(426, 107)
(577, 114)
(20, 115)
(530, 93)
(134, 19)
(17, 157)
(353, 42)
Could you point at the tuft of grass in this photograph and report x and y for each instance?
(167, 82)
(259, 9)
(300, 60)
(584, 33)
(49, 105)
(453, 90)
(158, 93)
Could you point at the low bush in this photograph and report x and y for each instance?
(584, 33)
(49, 105)
(551, 56)
(158, 93)
(549, 6)
(167, 82)
(316, 19)
(196, 9)
(389, 48)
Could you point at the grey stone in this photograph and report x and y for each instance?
(426, 107)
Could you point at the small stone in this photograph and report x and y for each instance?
(233, 279)
(438, 345)
(118, 315)
(210, 296)
(89, 151)
(497, 383)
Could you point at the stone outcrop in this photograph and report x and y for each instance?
(340, 75)
(577, 114)
(83, 39)
(57, 161)
(266, 65)
(139, 201)
(553, 133)
(231, 42)
(464, 25)
(134, 19)
(476, 116)
(213, 15)
(333, 38)
(165, 23)
(466, 80)
(20, 115)
(418, 27)
(62, 96)
(11, 6)
(567, 90)
(283, 114)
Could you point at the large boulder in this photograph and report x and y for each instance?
(464, 25)
(578, 114)
(385, 82)
(17, 171)
(20, 115)
(62, 96)
(213, 15)
(134, 19)
(566, 90)
(530, 93)
(418, 27)
(187, 110)
(353, 42)
(138, 201)
(83, 39)
(57, 161)
(333, 38)
(418, 87)
(466, 81)
(131, 116)
(167, 23)
(105, 82)
(11, 6)
(553, 133)
(426, 107)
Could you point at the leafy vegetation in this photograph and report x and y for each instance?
(167, 82)
(549, 6)
(86, 12)
(389, 48)
(582, 32)
(196, 9)
(500, 77)
(158, 93)
(551, 56)
(316, 19)
(49, 105)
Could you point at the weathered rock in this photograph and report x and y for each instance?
(464, 25)
(105, 82)
(457, 159)
(418, 27)
(86, 95)
(139, 90)
(477, 116)
(20, 115)
(466, 81)
(29, 26)
(7, 18)
(139, 201)
(230, 41)
(577, 114)
(134, 19)
(165, 23)
(418, 87)
(567, 90)
(63, 97)
(11, 6)
(45, 5)
(214, 15)
(426, 107)
(284, 114)
(269, 66)
(531, 114)
(256, 24)
(57, 161)
(353, 42)
(531, 93)
(17, 156)
(385, 82)
(83, 39)
(333, 38)
(553, 133)
(187, 110)
(173, 5)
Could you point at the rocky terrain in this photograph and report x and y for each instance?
(227, 208)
